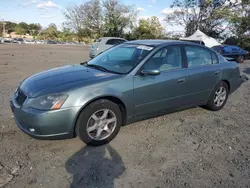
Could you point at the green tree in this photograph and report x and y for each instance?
(94, 18)
(19, 30)
(149, 29)
(50, 33)
(241, 24)
(9, 27)
(34, 29)
(209, 16)
(65, 35)
(25, 26)
(117, 17)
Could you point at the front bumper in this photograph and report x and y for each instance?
(56, 124)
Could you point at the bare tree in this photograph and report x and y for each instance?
(93, 16)
(111, 17)
(75, 17)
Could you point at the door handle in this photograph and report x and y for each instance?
(181, 80)
(216, 72)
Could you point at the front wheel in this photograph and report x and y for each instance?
(218, 97)
(99, 122)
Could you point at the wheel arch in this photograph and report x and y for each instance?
(228, 84)
(111, 98)
(221, 80)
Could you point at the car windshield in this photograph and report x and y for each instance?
(121, 59)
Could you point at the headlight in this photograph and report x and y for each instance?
(48, 102)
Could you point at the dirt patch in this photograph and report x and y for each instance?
(191, 148)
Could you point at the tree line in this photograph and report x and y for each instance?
(96, 18)
(21, 28)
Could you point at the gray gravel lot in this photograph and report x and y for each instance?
(191, 148)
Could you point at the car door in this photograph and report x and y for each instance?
(153, 93)
(203, 73)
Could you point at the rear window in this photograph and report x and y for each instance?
(114, 41)
(98, 40)
(230, 49)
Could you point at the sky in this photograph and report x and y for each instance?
(50, 11)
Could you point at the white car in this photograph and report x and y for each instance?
(39, 42)
(29, 42)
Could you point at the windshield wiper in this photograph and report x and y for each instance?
(98, 67)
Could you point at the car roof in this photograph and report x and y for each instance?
(111, 38)
(224, 45)
(156, 43)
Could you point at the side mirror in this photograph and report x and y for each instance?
(152, 72)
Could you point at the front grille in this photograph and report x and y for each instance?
(21, 97)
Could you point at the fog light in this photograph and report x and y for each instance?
(32, 130)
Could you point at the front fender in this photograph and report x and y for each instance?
(121, 89)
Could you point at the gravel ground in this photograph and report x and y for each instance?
(191, 148)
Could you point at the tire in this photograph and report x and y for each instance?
(97, 109)
(211, 105)
(240, 59)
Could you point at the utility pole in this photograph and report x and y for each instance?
(3, 29)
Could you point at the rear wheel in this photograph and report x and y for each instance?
(218, 97)
(240, 59)
(99, 122)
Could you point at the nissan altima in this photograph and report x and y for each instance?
(131, 81)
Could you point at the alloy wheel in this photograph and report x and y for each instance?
(220, 96)
(101, 124)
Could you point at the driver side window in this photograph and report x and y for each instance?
(167, 58)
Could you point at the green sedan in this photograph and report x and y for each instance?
(129, 82)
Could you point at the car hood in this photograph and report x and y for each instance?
(62, 77)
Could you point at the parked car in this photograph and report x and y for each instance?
(7, 40)
(103, 44)
(38, 42)
(14, 42)
(20, 40)
(51, 42)
(131, 81)
(28, 42)
(235, 52)
(17, 40)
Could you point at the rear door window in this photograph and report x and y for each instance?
(198, 56)
(214, 58)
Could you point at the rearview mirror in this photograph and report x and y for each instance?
(152, 72)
